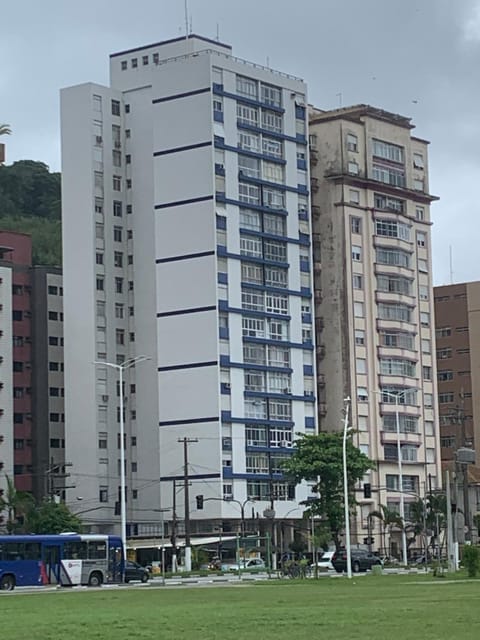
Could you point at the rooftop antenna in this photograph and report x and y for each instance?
(268, 62)
(340, 99)
(186, 19)
(218, 32)
(451, 264)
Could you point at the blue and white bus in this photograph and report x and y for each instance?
(65, 559)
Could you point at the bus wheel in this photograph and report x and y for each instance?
(7, 583)
(95, 579)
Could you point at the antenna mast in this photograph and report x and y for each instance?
(451, 264)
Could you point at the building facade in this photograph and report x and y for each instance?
(6, 379)
(17, 255)
(47, 383)
(374, 300)
(187, 240)
(457, 323)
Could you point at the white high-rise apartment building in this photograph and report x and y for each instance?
(187, 239)
(374, 301)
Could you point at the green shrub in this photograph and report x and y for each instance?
(471, 560)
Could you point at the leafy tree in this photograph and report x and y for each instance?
(18, 505)
(52, 517)
(318, 459)
(27, 188)
(471, 560)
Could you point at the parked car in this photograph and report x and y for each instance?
(362, 560)
(247, 564)
(135, 571)
(324, 563)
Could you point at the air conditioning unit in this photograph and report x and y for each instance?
(104, 398)
(227, 385)
(118, 144)
(286, 444)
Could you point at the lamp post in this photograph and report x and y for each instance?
(396, 397)
(345, 489)
(123, 503)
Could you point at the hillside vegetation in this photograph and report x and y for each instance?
(30, 202)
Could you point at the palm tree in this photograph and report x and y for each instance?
(17, 504)
(388, 518)
(5, 130)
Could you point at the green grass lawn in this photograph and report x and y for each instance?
(373, 608)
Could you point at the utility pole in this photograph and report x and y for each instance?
(188, 549)
(173, 537)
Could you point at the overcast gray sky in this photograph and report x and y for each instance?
(419, 58)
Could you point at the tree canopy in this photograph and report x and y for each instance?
(30, 202)
(52, 517)
(318, 459)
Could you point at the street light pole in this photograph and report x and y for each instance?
(123, 501)
(345, 490)
(400, 480)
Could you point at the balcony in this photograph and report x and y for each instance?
(390, 437)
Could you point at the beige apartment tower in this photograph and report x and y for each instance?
(374, 303)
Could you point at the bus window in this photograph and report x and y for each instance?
(97, 550)
(13, 551)
(32, 551)
(75, 550)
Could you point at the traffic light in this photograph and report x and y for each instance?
(199, 500)
(367, 490)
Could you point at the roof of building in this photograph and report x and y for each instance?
(171, 41)
(357, 112)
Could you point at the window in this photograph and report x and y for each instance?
(446, 398)
(389, 203)
(388, 151)
(272, 121)
(275, 251)
(393, 311)
(117, 183)
(418, 184)
(423, 266)
(394, 284)
(17, 315)
(425, 345)
(117, 234)
(394, 257)
(247, 115)
(423, 292)
(359, 337)
(273, 198)
(53, 315)
(116, 158)
(445, 374)
(271, 95)
(119, 309)
(447, 442)
(276, 277)
(277, 330)
(356, 253)
(361, 365)
(254, 354)
(249, 141)
(418, 161)
(119, 285)
(420, 213)
(409, 453)
(389, 175)
(392, 229)
(247, 87)
(249, 193)
(134, 62)
(255, 408)
(118, 259)
(352, 142)
(100, 284)
(115, 108)
(406, 424)
(354, 197)
(444, 354)
(278, 356)
(421, 239)
(429, 428)
(397, 367)
(249, 167)
(353, 168)
(117, 208)
(252, 273)
(357, 281)
(362, 394)
(358, 309)
(356, 224)
(276, 303)
(443, 332)
(280, 409)
(253, 327)
(253, 301)
(428, 400)
(427, 373)
(424, 318)
(274, 224)
(99, 258)
(273, 172)
(257, 463)
(250, 220)
(406, 396)
(271, 147)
